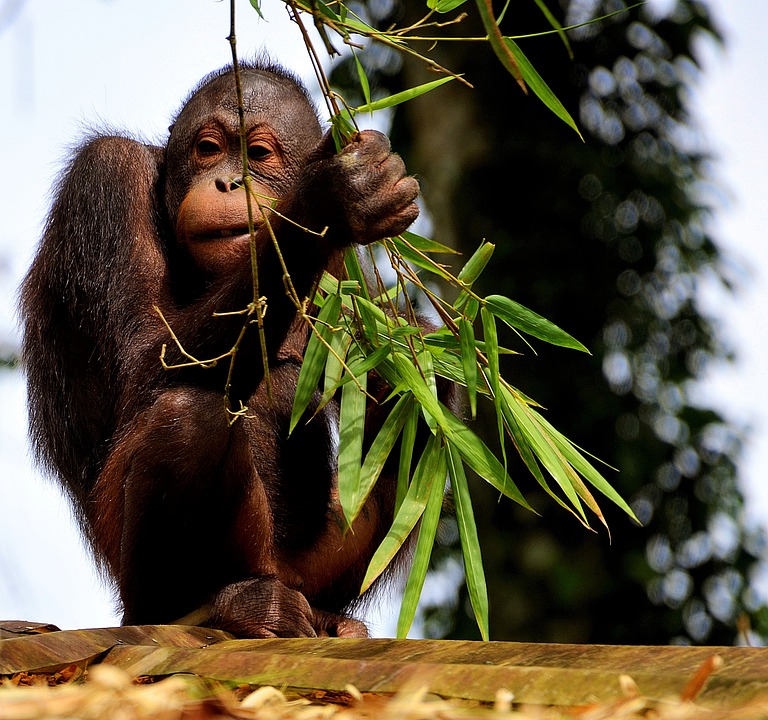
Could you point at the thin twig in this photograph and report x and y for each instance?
(257, 303)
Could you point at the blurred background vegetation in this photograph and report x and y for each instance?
(609, 239)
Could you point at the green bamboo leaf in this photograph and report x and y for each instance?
(334, 367)
(376, 456)
(419, 260)
(527, 321)
(418, 386)
(401, 97)
(323, 9)
(477, 456)
(342, 129)
(539, 87)
(564, 472)
(314, 358)
(444, 6)
(355, 272)
(359, 365)
(446, 340)
(407, 444)
(410, 511)
(362, 77)
(256, 5)
(470, 307)
(388, 372)
(494, 379)
(341, 342)
(332, 286)
(586, 469)
(474, 451)
(523, 447)
(546, 451)
(476, 264)
(374, 311)
(426, 367)
(469, 273)
(351, 432)
(469, 362)
(495, 40)
(449, 366)
(427, 245)
(370, 317)
(470, 543)
(424, 544)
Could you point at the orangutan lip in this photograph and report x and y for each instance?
(224, 233)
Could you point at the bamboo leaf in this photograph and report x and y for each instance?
(256, 5)
(375, 313)
(410, 511)
(342, 129)
(334, 368)
(476, 264)
(314, 358)
(444, 6)
(469, 362)
(401, 97)
(448, 365)
(376, 456)
(523, 446)
(527, 321)
(477, 456)
(426, 366)
(537, 84)
(586, 469)
(569, 457)
(359, 364)
(369, 316)
(467, 276)
(406, 453)
(388, 372)
(418, 259)
(427, 245)
(424, 543)
(323, 9)
(546, 451)
(418, 386)
(496, 41)
(494, 380)
(332, 286)
(362, 77)
(470, 543)
(470, 307)
(445, 339)
(355, 272)
(351, 432)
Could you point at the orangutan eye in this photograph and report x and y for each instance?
(208, 147)
(258, 152)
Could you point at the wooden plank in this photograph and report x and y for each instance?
(549, 686)
(534, 673)
(55, 650)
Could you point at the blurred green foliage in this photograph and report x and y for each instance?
(609, 239)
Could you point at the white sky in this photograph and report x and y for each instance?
(128, 64)
(732, 105)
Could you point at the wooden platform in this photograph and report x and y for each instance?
(565, 675)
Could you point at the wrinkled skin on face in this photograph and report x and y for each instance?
(232, 524)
